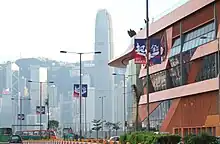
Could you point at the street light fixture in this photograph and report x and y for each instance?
(102, 98)
(124, 78)
(20, 99)
(124, 94)
(218, 69)
(47, 82)
(80, 86)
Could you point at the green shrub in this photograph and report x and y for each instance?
(202, 138)
(149, 138)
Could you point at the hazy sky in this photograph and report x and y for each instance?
(33, 28)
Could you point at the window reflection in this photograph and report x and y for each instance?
(159, 80)
(158, 115)
(174, 61)
(208, 69)
(176, 48)
(193, 39)
(175, 76)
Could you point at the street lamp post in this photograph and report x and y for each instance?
(80, 86)
(124, 113)
(82, 73)
(20, 99)
(124, 96)
(147, 66)
(41, 83)
(102, 98)
(218, 69)
(48, 113)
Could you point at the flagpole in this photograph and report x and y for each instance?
(147, 66)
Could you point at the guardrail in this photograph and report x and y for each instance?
(67, 142)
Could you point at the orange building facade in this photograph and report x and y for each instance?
(184, 88)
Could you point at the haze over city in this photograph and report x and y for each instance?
(109, 71)
(41, 28)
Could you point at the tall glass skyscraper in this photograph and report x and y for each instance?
(103, 79)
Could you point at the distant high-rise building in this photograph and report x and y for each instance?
(9, 73)
(103, 79)
(66, 109)
(53, 96)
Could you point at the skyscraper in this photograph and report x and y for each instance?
(103, 79)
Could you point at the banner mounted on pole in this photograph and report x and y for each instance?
(140, 51)
(20, 116)
(155, 51)
(40, 110)
(76, 90)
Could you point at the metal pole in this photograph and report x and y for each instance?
(124, 107)
(80, 96)
(48, 115)
(40, 107)
(102, 116)
(85, 120)
(20, 113)
(147, 66)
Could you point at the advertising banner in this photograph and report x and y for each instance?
(155, 51)
(140, 51)
(20, 116)
(76, 90)
(40, 110)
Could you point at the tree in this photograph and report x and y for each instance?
(116, 127)
(109, 125)
(53, 124)
(137, 95)
(97, 125)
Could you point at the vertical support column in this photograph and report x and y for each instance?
(147, 67)
(85, 119)
(124, 105)
(20, 113)
(80, 96)
(41, 108)
(181, 56)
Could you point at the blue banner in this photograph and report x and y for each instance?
(155, 54)
(40, 110)
(140, 51)
(20, 116)
(76, 90)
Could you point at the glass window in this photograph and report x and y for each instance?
(208, 69)
(159, 80)
(176, 48)
(206, 29)
(185, 46)
(174, 61)
(158, 115)
(186, 38)
(193, 40)
(175, 76)
(193, 34)
(190, 35)
(197, 42)
(196, 33)
(202, 31)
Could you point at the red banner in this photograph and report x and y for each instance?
(140, 51)
(139, 59)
